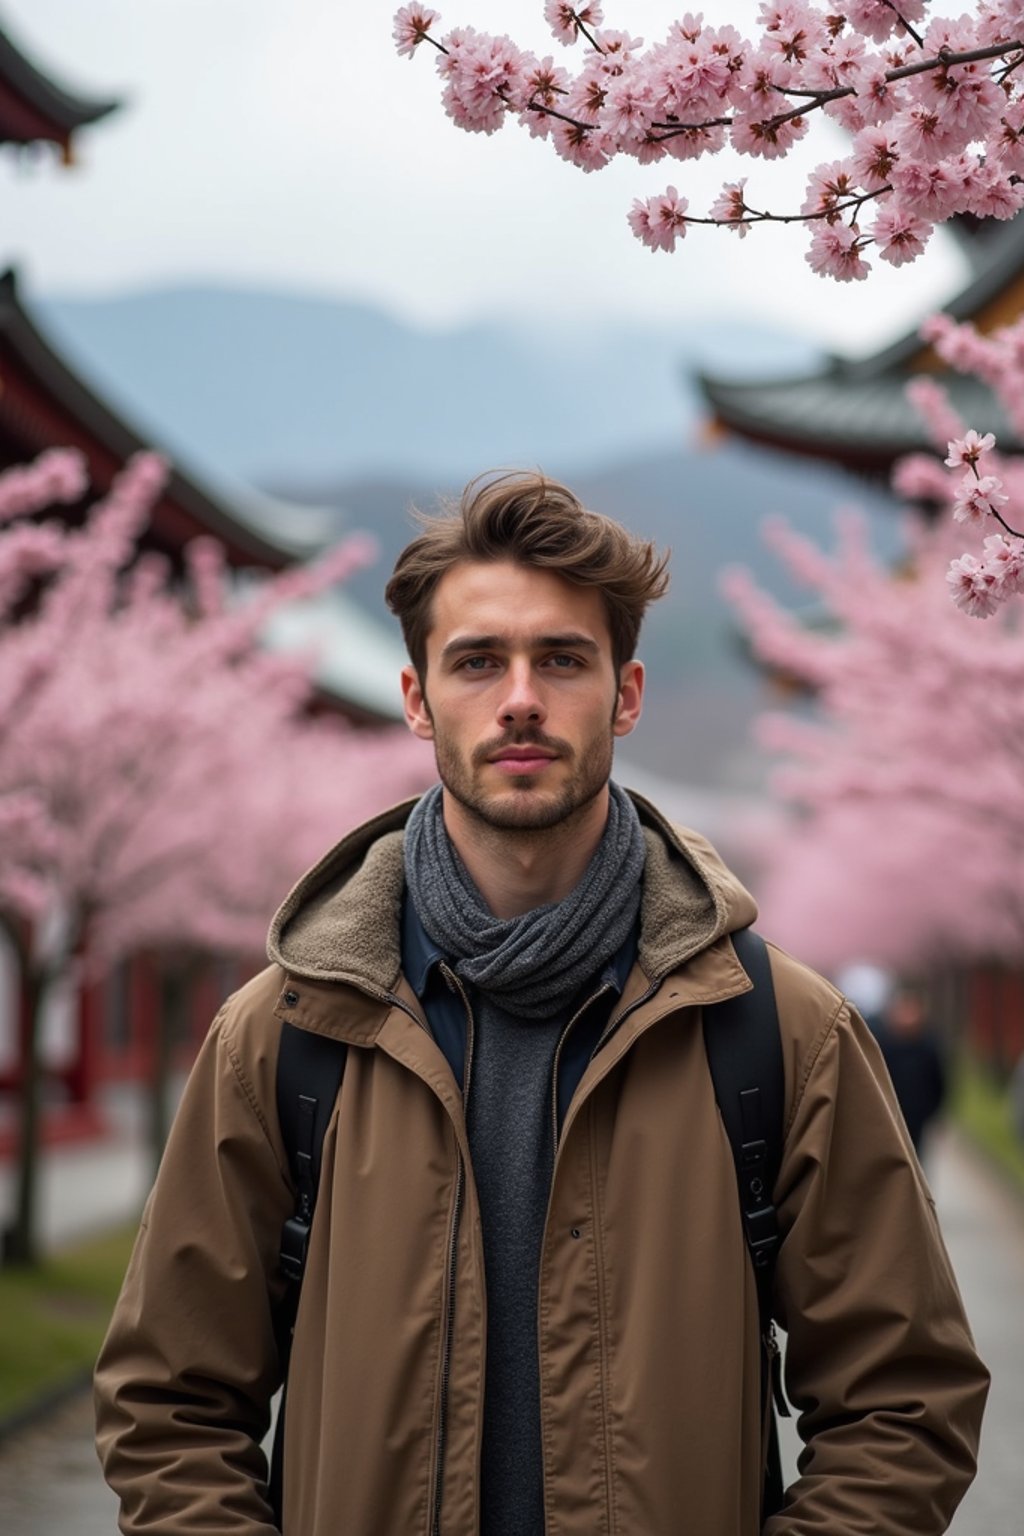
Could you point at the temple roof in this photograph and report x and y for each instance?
(855, 412)
(34, 108)
(44, 404)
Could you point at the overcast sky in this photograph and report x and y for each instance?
(283, 143)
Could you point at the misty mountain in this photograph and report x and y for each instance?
(267, 386)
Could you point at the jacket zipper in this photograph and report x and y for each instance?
(558, 1053)
(612, 1024)
(448, 1321)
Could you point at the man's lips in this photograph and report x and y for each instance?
(522, 759)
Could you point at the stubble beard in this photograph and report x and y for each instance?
(529, 808)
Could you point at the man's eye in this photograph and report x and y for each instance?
(476, 663)
(564, 663)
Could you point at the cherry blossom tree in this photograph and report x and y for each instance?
(161, 783)
(933, 106)
(981, 488)
(908, 830)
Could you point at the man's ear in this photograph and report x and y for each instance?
(630, 701)
(414, 702)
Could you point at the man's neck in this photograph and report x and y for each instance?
(516, 870)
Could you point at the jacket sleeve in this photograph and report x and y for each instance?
(186, 1374)
(880, 1364)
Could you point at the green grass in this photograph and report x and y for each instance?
(982, 1108)
(53, 1318)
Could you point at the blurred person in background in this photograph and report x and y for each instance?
(914, 1058)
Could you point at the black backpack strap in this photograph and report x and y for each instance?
(309, 1072)
(310, 1068)
(744, 1051)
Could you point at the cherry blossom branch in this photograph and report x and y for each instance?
(751, 215)
(932, 136)
(815, 99)
(978, 585)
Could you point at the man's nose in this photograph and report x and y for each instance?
(521, 702)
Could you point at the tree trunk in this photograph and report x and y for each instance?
(175, 981)
(21, 1240)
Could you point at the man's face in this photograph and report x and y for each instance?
(522, 701)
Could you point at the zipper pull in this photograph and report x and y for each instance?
(771, 1344)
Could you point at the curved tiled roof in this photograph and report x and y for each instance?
(855, 411)
(34, 107)
(44, 403)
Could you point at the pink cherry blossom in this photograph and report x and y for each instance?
(900, 234)
(989, 194)
(730, 206)
(1008, 148)
(689, 143)
(843, 64)
(588, 148)
(58, 475)
(766, 138)
(564, 18)
(926, 189)
(969, 448)
(875, 153)
(688, 79)
(412, 24)
(627, 114)
(973, 588)
(586, 97)
(760, 81)
(1006, 563)
(660, 221)
(976, 498)
(482, 74)
(877, 98)
(794, 30)
(836, 250)
(878, 20)
(544, 84)
(615, 51)
(828, 186)
(926, 134)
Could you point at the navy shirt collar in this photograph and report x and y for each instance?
(419, 952)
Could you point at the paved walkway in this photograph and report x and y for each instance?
(49, 1481)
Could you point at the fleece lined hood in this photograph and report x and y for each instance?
(340, 922)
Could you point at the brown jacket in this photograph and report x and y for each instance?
(648, 1327)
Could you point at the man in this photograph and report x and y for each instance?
(913, 1057)
(528, 1307)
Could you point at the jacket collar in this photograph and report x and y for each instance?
(342, 922)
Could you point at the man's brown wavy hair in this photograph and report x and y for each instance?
(534, 521)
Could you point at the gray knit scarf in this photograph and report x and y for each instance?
(535, 964)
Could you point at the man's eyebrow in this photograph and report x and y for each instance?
(571, 641)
